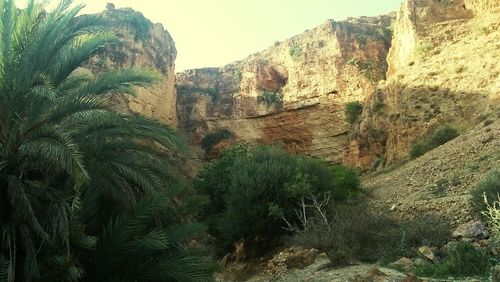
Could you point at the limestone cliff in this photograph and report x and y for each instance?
(142, 44)
(443, 68)
(294, 92)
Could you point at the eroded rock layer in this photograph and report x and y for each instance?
(142, 44)
(293, 92)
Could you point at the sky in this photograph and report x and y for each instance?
(212, 33)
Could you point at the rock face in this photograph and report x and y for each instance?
(443, 68)
(142, 44)
(293, 92)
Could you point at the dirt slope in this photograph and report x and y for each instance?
(441, 180)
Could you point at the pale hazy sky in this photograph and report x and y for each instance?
(217, 32)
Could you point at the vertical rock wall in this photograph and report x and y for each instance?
(306, 80)
(444, 68)
(142, 44)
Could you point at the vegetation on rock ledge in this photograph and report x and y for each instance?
(270, 98)
(353, 111)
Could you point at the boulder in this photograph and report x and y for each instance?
(404, 264)
(472, 230)
(427, 252)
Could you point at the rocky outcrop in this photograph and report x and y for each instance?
(142, 44)
(293, 92)
(443, 68)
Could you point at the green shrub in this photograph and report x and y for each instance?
(439, 136)
(442, 135)
(418, 149)
(353, 62)
(212, 139)
(270, 98)
(423, 50)
(295, 51)
(353, 234)
(371, 70)
(250, 192)
(489, 187)
(461, 260)
(352, 111)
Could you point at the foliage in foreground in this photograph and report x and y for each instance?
(251, 192)
(492, 213)
(80, 183)
(439, 136)
(349, 232)
(463, 259)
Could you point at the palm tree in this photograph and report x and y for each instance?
(133, 239)
(71, 168)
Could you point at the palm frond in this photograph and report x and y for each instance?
(56, 147)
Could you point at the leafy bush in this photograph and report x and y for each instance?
(353, 233)
(212, 139)
(489, 187)
(270, 98)
(442, 135)
(295, 51)
(463, 259)
(418, 149)
(423, 50)
(371, 70)
(439, 136)
(352, 111)
(249, 193)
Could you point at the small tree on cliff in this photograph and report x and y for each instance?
(352, 111)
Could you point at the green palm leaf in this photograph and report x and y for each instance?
(84, 190)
